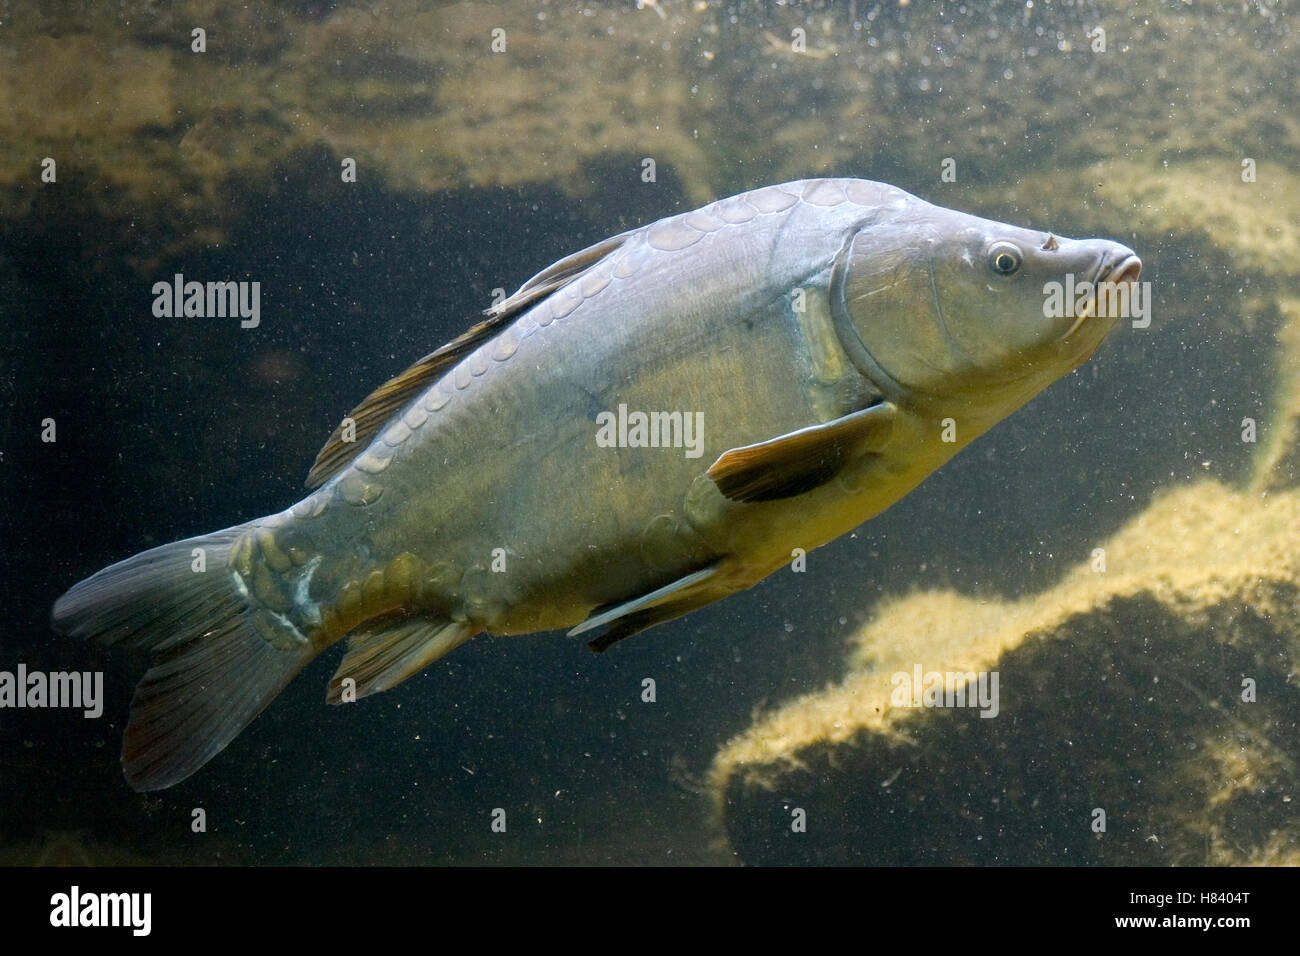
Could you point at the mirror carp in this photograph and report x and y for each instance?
(645, 427)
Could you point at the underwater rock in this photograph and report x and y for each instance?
(1278, 463)
(1151, 691)
(74, 848)
(1202, 202)
(722, 96)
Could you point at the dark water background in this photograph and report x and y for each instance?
(173, 427)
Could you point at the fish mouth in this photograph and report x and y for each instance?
(1108, 273)
(1126, 270)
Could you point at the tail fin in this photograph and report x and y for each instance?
(214, 670)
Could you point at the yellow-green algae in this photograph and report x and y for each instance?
(716, 93)
(1198, 200)
(1205, 569)
(1278, 462)
(1202, 560)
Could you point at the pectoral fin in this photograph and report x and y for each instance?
(801, 460)
(662, 604)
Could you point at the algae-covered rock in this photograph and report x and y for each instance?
(1145, 711)
(1278, 463)
(722, 96)
(1147, 707)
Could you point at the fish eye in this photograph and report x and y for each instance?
(1004, 258)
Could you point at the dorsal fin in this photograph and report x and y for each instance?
(559, 274)
(380, 405)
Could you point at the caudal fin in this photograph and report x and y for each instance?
(214, 670)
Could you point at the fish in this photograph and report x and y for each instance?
(645, 427)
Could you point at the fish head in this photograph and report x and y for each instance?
(945, 304)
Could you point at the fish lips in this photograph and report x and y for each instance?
(1114, 269)
(1126, 269)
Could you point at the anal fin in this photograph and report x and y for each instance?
(801, 460)
(383, 656)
